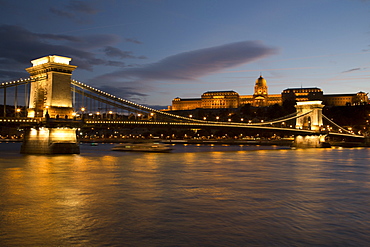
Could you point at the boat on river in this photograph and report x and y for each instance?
(143, 147)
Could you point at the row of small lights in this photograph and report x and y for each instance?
(15, 82)
(109, 95)
(129, 102)
(18, 120)
(83, 109)
(242, 119)
(209, 122)
(125, 122)
(160, 123)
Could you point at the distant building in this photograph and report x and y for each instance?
(261, 98)
(359, 98)
(185, 104)
(302, 94)
(220, 99)
(307, 94)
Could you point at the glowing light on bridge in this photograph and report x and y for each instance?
(9, 83)
(51, 59)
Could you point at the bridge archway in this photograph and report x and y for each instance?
(312, 115)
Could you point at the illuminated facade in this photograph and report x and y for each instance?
(307, 94)
(302, 94)
(220, 99)
(50, 98)
(359, 98)
(261, 98)
(51, 91)
(229, 99)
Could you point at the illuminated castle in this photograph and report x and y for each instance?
(261, 98)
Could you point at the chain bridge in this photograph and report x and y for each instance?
(54, 106)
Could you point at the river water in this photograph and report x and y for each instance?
(194, 196)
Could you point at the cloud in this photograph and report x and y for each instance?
(94, 41)
(82, 7)
(115, 52)
(18, 46)
(186, 66)
(195, 64)
(127, 92)
(62, 13)
(75, 10)
(135, 41)
(116, 64)
(352, 70)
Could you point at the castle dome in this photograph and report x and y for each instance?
(261, 82)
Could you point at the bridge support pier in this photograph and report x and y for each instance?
(51, 98)
(50, 141)
(311, 141)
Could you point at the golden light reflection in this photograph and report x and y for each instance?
(61, 197)
(63, 134)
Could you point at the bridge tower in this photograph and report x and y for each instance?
(313, 120)
(51, 90)
(51, 103)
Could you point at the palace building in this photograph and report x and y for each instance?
(261, 98)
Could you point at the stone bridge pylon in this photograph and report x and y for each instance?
(313, 120)
(51, 88)
(51, 103)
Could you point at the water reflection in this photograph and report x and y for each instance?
(190, 197)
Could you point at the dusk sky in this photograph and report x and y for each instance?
(151, 51)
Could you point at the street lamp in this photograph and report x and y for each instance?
(83, 109)
(18, 110)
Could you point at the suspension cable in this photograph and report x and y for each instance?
(336, 124)
(293, 116)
